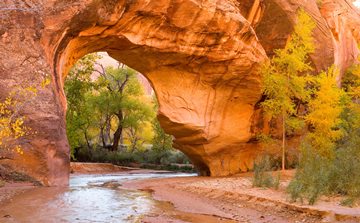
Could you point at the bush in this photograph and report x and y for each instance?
(178, 168)
(163, 158)
(170, 167)
(335, 175)
(317, 175)
(345, 177)
(311, 176)
(262, 174)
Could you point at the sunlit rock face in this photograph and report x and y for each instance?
(202, 58)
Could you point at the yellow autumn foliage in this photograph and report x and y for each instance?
(324, 113)
(12, 125)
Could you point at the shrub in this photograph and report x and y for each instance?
(156, 157)
(317, 175)
(345, 177)
(311, 177)
(262, 176)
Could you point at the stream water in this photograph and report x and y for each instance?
(89, 198)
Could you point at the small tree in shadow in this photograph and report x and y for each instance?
(263, 173)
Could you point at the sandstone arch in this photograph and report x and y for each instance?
(202, 57)
(199, 74)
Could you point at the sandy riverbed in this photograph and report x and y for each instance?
(235, 198)
(205, 199)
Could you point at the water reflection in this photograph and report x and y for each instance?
(89, 198)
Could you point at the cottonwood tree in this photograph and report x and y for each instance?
(284, 78)
(138, 135)
(324, 117)
(102, 103)
(329, 161)
(121, 90)
(78, 88)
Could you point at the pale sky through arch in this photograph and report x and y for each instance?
(357, 3)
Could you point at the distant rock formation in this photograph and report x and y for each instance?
(202, 58)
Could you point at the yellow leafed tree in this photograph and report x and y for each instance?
(12, 126)
(324, 113)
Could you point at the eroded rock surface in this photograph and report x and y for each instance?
(202, 58)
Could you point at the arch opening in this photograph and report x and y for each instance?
(111, 117)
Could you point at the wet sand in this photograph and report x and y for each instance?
(12, 189)
(234, 198)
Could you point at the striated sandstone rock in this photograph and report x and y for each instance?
(202, 58)
(343, 20)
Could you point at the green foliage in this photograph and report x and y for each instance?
(106, 108)
(161, 140)
(344, 178)
(318, 175)
(150, 157)
(262, 174)
(119, 91)
(123, 97)
(311, 178)
(351, 81)
(80, 113)
(111, 103)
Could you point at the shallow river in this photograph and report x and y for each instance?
(89, 198)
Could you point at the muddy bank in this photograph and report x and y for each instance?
(13, 183)
(97, 168)
(104, 168)
(234, 198)
(10, 189)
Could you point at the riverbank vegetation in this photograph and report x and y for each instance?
(323, 113)
(111, 119)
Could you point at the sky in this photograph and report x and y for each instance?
(357, 3)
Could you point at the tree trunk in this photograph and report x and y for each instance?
(283, 143)
(118, 132)
(87, 140)
(108, 130)
(102, 137)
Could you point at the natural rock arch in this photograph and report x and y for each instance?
(202, 58)
(206, 79)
